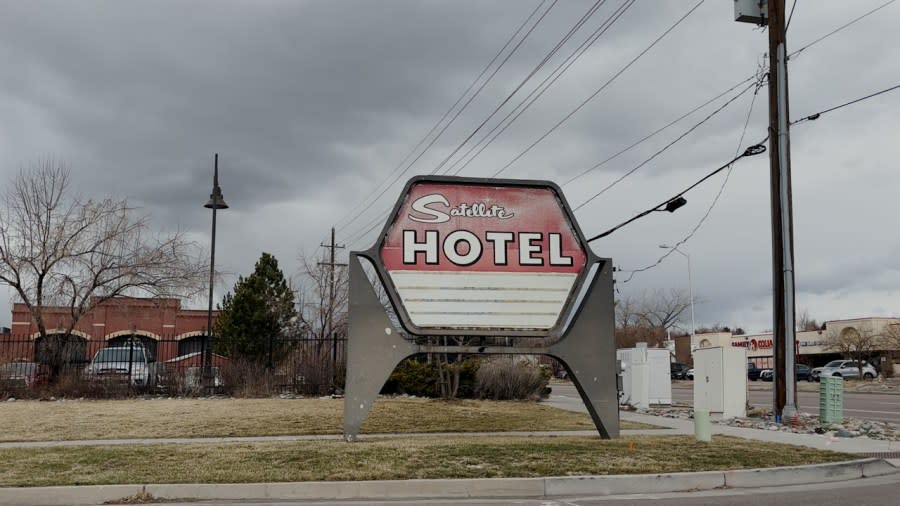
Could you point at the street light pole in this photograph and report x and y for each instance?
(690, 289)
(216, 202)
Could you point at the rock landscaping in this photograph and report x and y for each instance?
(805, 423)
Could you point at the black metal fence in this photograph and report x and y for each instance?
(67, 366)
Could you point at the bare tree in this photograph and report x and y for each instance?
(855, 344)
(323, 298)
(890, 337)
(649, 317)
(58, 250)
(323, 309)
(807, 322)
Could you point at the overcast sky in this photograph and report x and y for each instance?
(312, 105)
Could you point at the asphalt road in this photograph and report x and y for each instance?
(865, 406)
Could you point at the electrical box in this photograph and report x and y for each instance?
(646, 376)
(751, 11)
(720, 381)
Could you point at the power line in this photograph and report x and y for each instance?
(816, 116)
(666, 147)
(591, 11)
(790, 16)
(678, 200)
(652, 134)
(373, 224)
(452, 107)
(842, 27)
(540, 89)
(715, 200)
(613, 78)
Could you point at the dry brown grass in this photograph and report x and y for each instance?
(392, 459)
(170, 418)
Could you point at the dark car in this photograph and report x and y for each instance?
(753, 371)
(678, 371)
(23, 374)
(804, 372)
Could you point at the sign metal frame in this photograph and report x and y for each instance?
(582, 339)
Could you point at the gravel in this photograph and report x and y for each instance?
(806, 423)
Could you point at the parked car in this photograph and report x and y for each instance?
(689, 375)
(753, 371)
(814, 373)
(23, 374)
(803, 372)
(678, 371)
(847, 369)
(123, 363)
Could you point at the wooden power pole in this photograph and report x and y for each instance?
(329, 326)
(784, 393)
(785, 389)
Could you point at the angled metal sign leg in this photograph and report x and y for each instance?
(374, 348)
(588, 351)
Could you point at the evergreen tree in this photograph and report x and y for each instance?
(253, 321)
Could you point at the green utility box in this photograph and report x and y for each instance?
(831, 399)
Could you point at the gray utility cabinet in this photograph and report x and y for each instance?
(720, 381)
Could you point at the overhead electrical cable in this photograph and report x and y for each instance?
(666, 147)
(673, 203)
(538, 91)
(597, 92)
(454, 106)
(361, 232)
(790, 16)
(587, 15)
(715, 200)
(653, 134)
(842, 27)
(816, 116)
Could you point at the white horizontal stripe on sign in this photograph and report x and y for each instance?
(489, 300)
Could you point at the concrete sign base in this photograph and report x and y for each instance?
(586, 349)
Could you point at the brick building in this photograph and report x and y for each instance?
(169, 332)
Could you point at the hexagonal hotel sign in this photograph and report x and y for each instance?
(467, 256)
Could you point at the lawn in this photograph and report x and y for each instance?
(171, 418)
(394, 458)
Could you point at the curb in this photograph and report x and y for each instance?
(494, 488)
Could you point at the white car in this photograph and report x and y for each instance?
(124, 364)
(848, 369)
(689, 374)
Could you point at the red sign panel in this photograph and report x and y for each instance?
(468, 255)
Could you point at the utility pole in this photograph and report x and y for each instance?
(329, 326)
(785, 389)
(784, 392)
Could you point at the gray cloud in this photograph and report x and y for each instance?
(312, 104)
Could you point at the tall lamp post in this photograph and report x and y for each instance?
(216, 202)
(690, 288)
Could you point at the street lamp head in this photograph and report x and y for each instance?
(665, 246)
(216, 200)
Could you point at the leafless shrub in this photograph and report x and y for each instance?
(72, 384)
(510, 378)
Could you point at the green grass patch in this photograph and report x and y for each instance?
(171, 418)
(392, 459)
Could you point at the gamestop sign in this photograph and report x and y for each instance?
(482, 255)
